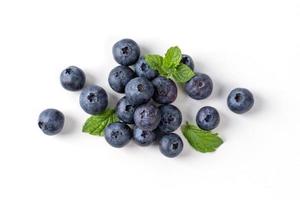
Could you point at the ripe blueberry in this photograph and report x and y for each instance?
(147, 117)
(51, 121)
(165, 90)
(170, 145)
(142, 69)
(171, 118)
(125, 111)
(187, 60)
(118, 134)
(143, 138)
(119, 77)
(126, 52)
(72, 78)
(207, 118)
(240, 100)
(199, 87)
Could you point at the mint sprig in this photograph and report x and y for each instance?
(170, 65)
(201, 140)
(96, 124)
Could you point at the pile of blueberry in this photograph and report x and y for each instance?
(145, 113)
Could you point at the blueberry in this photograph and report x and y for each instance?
(126, 52)
(143, 138)
(139, 90)
(187, 60)
(158, 135)
(51, 121)
(170, 145)
(142, 69)
(165, 90)
(72, 78)
(118, 134)
(240, 100)
(207, 118)
(125, 111)
(199, 87)
(147, 117)
(171, 118)
(93, 99)
(119, 77)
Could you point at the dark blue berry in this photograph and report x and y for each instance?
(126, 52)
(147, 117)
(119, 77)
(187, 60)
(143, 138)
(142, 69)
(207, 118)
(240, 100)
(165, 90)
(51, 121)
(125, 111)
(93, 99)
(72, 78)
(118, 134)
(170, 145)
(199, 87)
(139, 90)
(171, 118)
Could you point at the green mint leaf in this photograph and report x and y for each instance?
(96, 124)
(172, 58)
(200, 140)
(183, 73)
(155, 62)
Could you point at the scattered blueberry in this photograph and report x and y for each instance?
(147, 117)
(139, 90)
(51, 121)
(240, 100)
(171, 145)
(119, 77)
(143, 138)
(72, 78)
(199, 87)
(126, 52)
(165, 90)
(118, 134)
(207, 118)
(187, 60)
(142, 69)
(171, 118)
(125, 111)
(93, 99)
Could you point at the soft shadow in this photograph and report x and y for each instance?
(199, 67)
(219, 90)
(69, 126)
(90, 79)
(112, 100)
(145, 50)
(224, 122)
(258, 106)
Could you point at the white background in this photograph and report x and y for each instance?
(253, 44)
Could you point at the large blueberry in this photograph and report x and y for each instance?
(207, 118)
(118, 134)
(171, 118)
(51, 121)
(126, 52)
(165, 90)
(72, 78)
(142, 69)
(199, 87)
(125, 111)
(240, 100)
(119, 77)
(139, 90)
(143, 138)
(147, 117)
(187, 60)
(93, 99)
(170, 145)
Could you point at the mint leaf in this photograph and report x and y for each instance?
(201, 140)
(172, 58)
(183, 73)
(155, 62)
(95, 124)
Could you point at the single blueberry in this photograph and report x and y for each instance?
(171, 118)
(125, 111)
(72, 78)
(119, 77)
(139, 90)
(187, 60)
(143, 138)
(170, 145)
(142, 69)
(93, 99)
(165, 90)
(147, 117)
(51, 121)
(199, 87)
(118, 134)
(207, 118)
(126, 52)
(240, 100)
